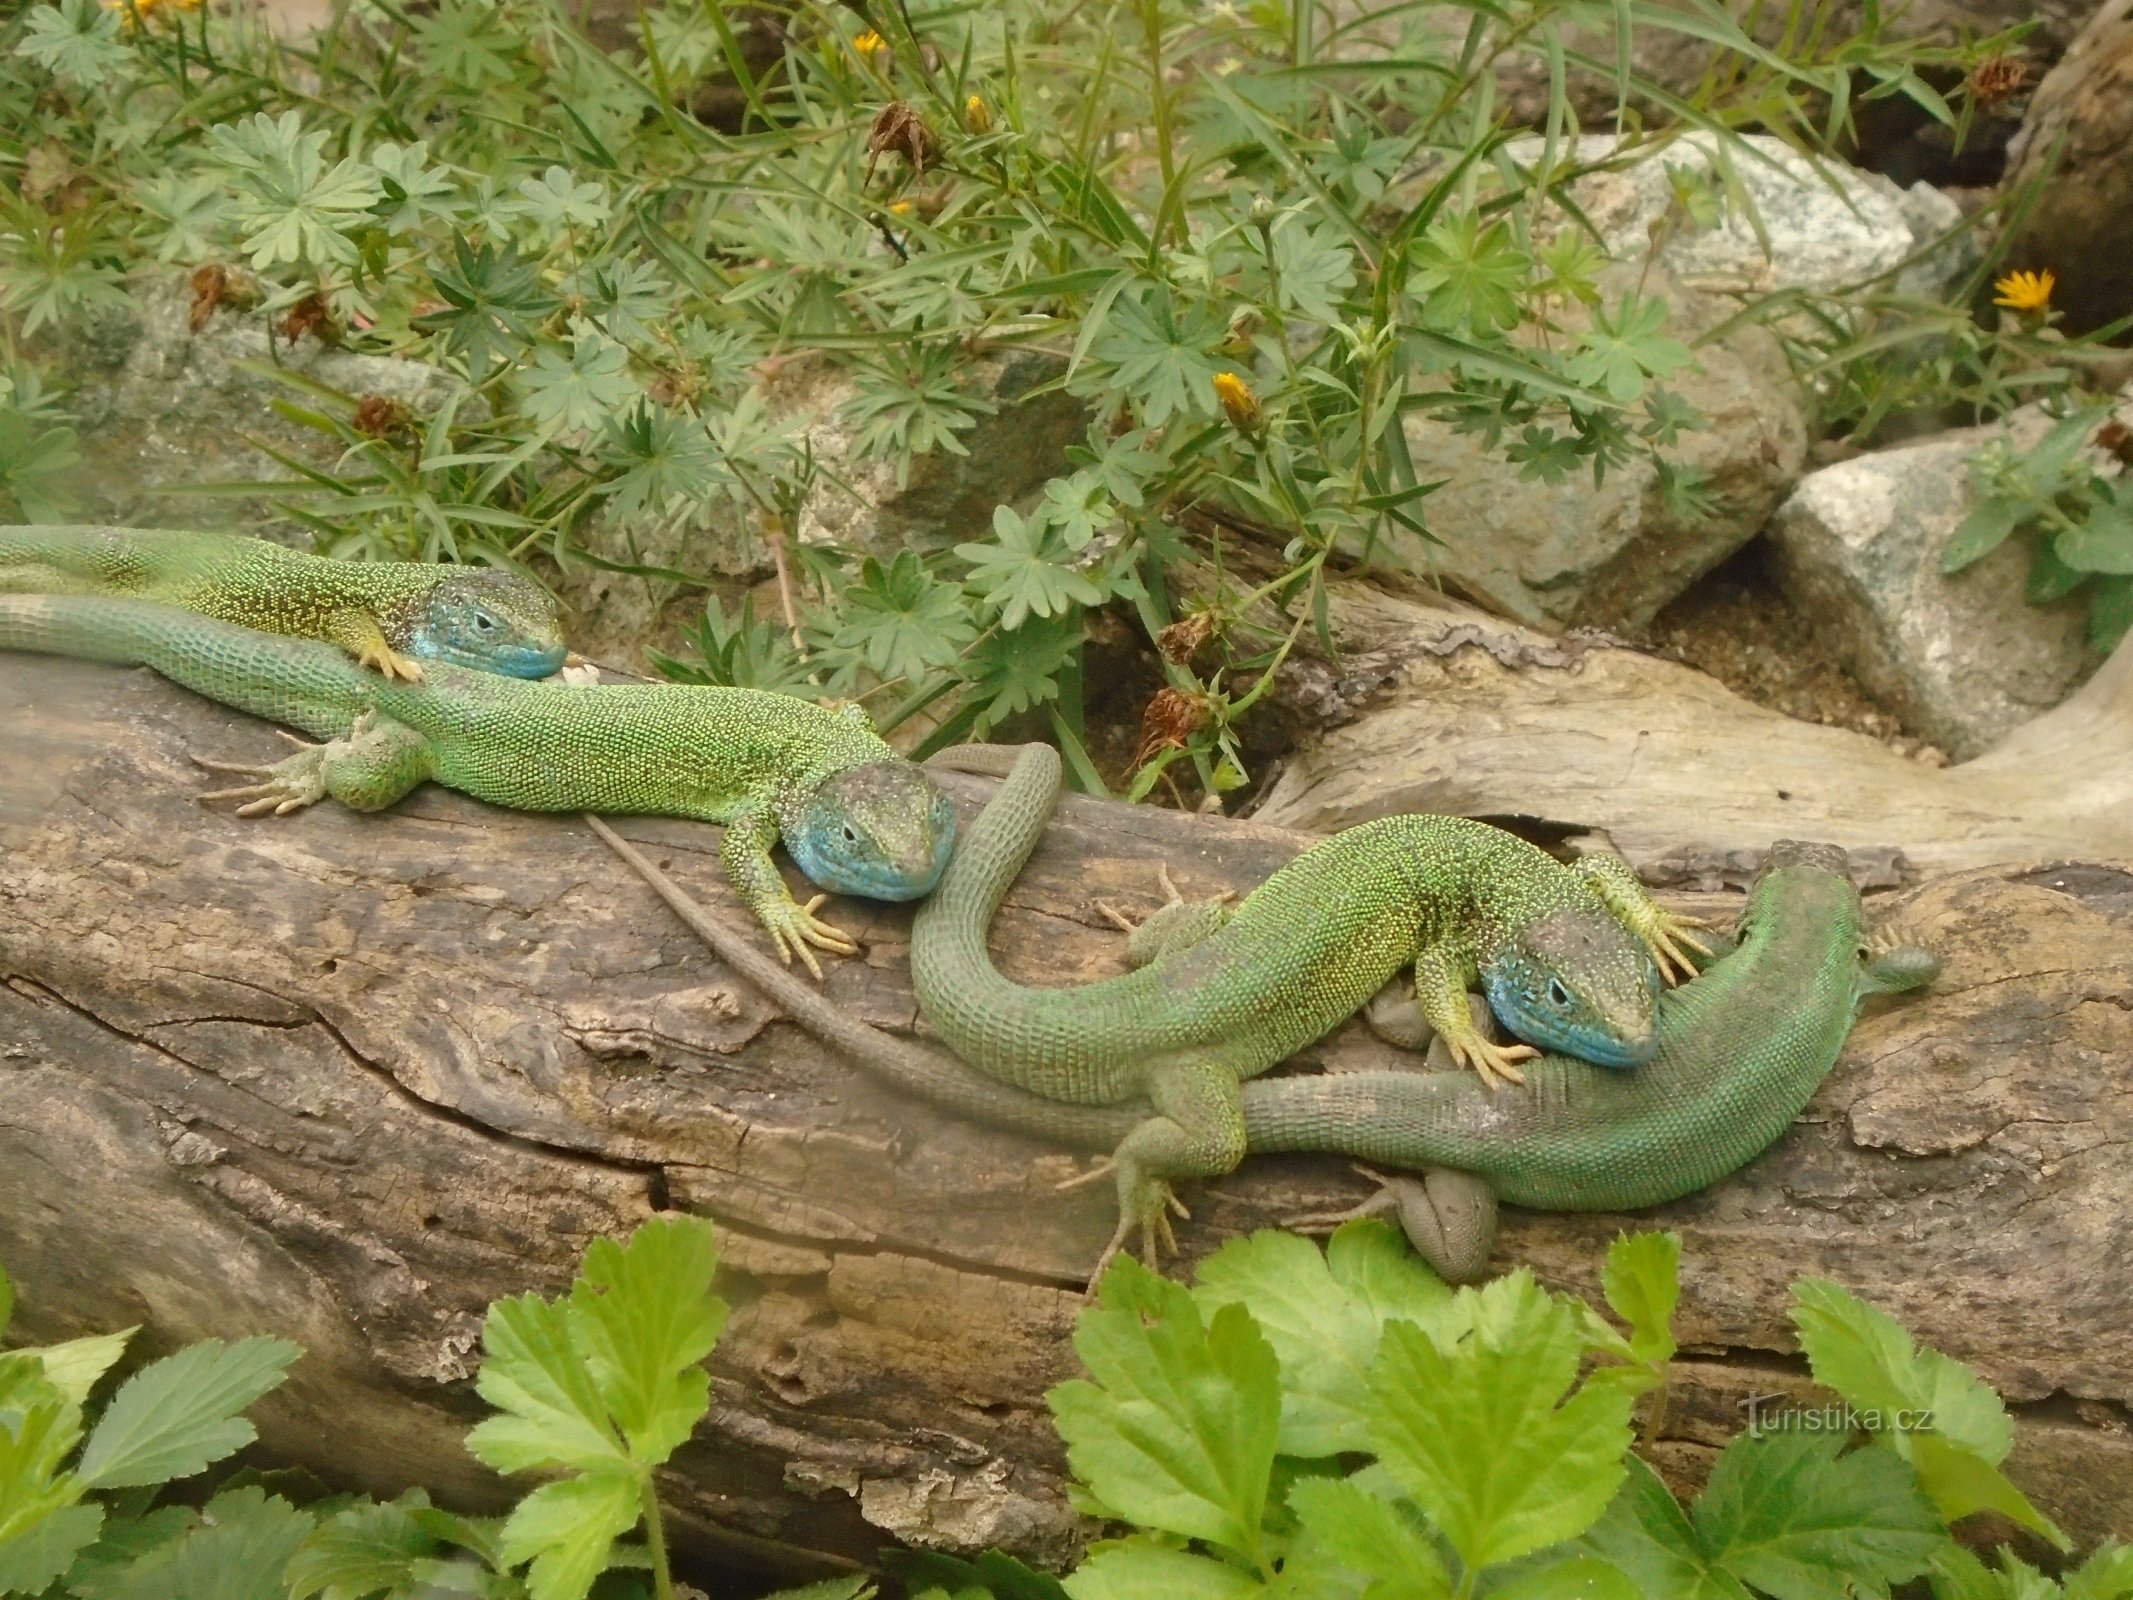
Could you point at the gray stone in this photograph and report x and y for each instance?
(1805, 224)
(1572, 554)
(160, 407)
(1963, 658)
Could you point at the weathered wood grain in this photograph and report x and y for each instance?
(348, 1078)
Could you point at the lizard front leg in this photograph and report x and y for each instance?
(1440, 994)
(1665, 933)
(793, 927)
(358, 633)
(375, 763)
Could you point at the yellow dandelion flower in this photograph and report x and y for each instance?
(1239, 402)
(148, 10)
(869, 45)
(900, 208)
(2025, 291)
(977, 115)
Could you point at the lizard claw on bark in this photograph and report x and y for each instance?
(794, 928)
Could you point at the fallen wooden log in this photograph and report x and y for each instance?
(1438, 707)
(347, 1078)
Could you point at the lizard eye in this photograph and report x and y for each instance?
(1558, 996)
(851, 834)
(484, 621)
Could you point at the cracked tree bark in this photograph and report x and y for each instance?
(348, 1078)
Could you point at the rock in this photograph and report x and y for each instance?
(1962, 658)
(1569, 554)
(160, 406)
(1823, 225)
(2078, 142)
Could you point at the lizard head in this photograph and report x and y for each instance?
(1579, 982)
(883, 830)
(492, 621)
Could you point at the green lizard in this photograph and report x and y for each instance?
(856, 817)
(1740, 1051)
(1223, 997)
(395, 616)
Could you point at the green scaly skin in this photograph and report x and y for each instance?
(855, 816)
(1455, 900)
(1741, 1050)
(395, 616)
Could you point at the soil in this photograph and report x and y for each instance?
(1738, 626)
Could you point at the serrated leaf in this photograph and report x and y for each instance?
(37, 1556)
(553, 1415)
(1368, 1534)
(365, 1550)
(237, 1550)
(860, 1587)
(1645, 1534)
(1141, 1569)
(1642, 1282)
(568, 1530)
(2102, 541)
(183, 1413)
(1797, 1519)
(99, 1573)
(644, 1314)
(994, 1573)
(1180, 1422)
(1483, 1436)
(1909, 1395)
(1581, 1578)
(1323, 1312)
(1025, 572)
(74, 1366)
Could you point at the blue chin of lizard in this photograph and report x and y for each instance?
(846, 858)
(1536, 1021)
(511, 660)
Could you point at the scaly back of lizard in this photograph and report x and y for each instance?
(396, 616)
(855, 816)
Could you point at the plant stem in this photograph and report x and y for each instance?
(655, 1541)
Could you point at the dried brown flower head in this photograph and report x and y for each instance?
(1185, 638)
(1171, 717)
(899, 128)
(1997, 79)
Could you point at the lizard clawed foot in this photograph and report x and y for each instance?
(281, 788)
(1668, 938)
(1383, 1203)
(794, 928)
(1492, 1061)
(1147, 1214)
(383, 658)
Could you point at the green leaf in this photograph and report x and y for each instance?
(1983, 531)
(1024, 573)
(1581, 1578)
(1469, 276)
(2102, 541)
(74, 1367)
(494, 305)
(33, 461)
(237, 1550)
(1161, 359)
(34, 1558)
(993, 1573)
(860, 1587)
(365, 1550)
(1141, 1569)
(1789, 1514)
(77, 41)
(553, 1415)
(1482, 1435)
(644, 1314)
(1927, 1407)
(180, 1414)
(582, 390)
(1619, 355)
(7, 1301)
(1372, 1536)
(1180, 1423)
(1642, 1282)
(1323, 1313)
(1645, 1534)
(902, 620)
(101, 1571)
(2110, 612)
(568, 1531)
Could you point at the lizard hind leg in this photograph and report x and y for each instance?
(1197, 1132)
(1177, 924)
(1449, 1216)
(373, 764)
